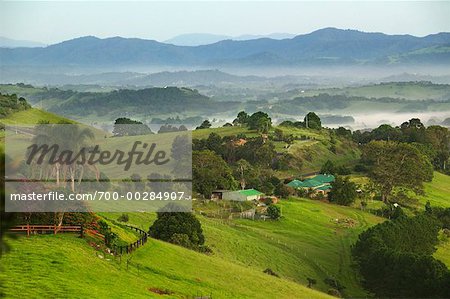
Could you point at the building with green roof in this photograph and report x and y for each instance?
(321, 183)
(312, 183)
(295, 184)
(240, 195)
(324, 178)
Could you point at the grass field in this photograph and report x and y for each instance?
(306, 242)
(66, 267)
(443, 252)
(32, 116)
(437, 191)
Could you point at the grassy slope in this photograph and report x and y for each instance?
(438, 191)
(305, 243)
(443, 252)
(29, 117)
(32, 116)
(66, 267)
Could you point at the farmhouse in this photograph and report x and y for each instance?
(320, 183)
(239, 195)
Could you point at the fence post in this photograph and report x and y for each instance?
(28, 229)
(81, 231)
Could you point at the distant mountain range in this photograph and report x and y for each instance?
(198, 39)
(329, 46)
(13, 43)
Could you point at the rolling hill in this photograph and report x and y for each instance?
(328, 46)
(311, 240)
(141, 103)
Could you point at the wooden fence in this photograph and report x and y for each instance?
(132, 246)
(30, 229)
(94, 233)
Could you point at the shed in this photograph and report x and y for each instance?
(242, 195)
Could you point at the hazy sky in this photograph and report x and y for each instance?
(52, 22)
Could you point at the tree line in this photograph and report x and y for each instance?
(396, 259)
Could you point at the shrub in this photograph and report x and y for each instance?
(343, 192)
(123, 218)
(181, 240)
(360, 168)
(274, 212)
(334, 283)
(334, 292)
(110, 237)
(271, 272)
(176, 227)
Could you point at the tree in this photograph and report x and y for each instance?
(396, 259)
(413, 131)
(241, 118)
(127, 127)
(123, 218)
(278, 134)
(244, 170)
(396, 165)
(274, 212)
(180, 146)
(312, 121)
(439, 138)
(328, 168)
(343, 132)
(343, 192)
(386, 132)
(205, 125)
(210, 172)
(283, 191)
(68, 137)
(214, 143)
(259, 121)
(258, 151)
(180, 228)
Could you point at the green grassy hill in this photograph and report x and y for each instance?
(306, 243)
(29, 117)
(437, 191)
(32, 116)
(313, 152)
(67, 267)
(311, 240)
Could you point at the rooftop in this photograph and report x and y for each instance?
(250, 192)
